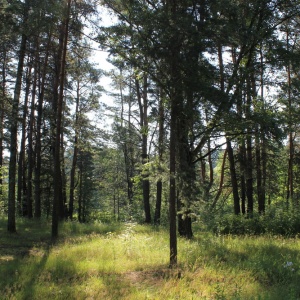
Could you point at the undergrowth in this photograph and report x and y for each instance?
(273, 222)
(130, 261)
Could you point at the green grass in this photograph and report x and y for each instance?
(130, 261)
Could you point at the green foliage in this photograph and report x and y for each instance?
(3, 190)
(275, 221)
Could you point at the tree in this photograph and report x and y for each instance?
(142, 97)
(11, 225)
(57, 199)
(84, 81)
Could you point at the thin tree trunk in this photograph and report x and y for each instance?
(80, 196)
(242, 159)
(157, 214)
(143, 106)
(172, 195)
(63, 209)
(262, 135)
(57, 166)
(11, 223)
(174, 113)
(126, 147)
(145, 156)
(75, 154)
(261, 204)
(2, 100)
(22, 186)
(290, 181)
(38, 146)
(31, 157)
(249, 158)
(234, 183)
(221, 181)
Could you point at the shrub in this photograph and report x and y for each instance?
(274, 222)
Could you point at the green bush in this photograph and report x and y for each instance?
(274, 222)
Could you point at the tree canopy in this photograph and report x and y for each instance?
(203, 116)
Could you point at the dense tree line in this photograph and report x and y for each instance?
(205, 111)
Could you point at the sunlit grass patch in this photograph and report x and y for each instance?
(131, 262)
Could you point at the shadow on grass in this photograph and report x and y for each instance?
(31, 269)
(273, 263)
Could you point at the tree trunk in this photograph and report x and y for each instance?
(259, 182)
(290, 181)
(75, 154)
(249, 166)
(38, 146)
(2, 100)
(80, 196)
(221, 181)
(127, 148)
(63, 208)
(242, 160)
(172, 195)
(11, 223)
(234, 183)
(186, 177)
(22, 186)
(262, 137)
(143, 107)
(57, 166)
(31, 154)
(161, 122)
(249, 178)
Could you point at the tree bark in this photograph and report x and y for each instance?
(290, 181)
(242, 160)
(2, 100)
(11, 222)
(38, 146)
(249, 158)
(221, 181)
(22, 205)
(234, 183)
(75, 154)
(172, 193)
(57, 199)
(159, 185)
(143, 107)
(31, 154)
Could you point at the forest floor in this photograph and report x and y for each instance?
(130, 261)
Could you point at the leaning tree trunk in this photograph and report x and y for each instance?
(221, 183)
(233, 177)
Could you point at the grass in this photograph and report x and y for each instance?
(130, 261)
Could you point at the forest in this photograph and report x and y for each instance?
(193, 128)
